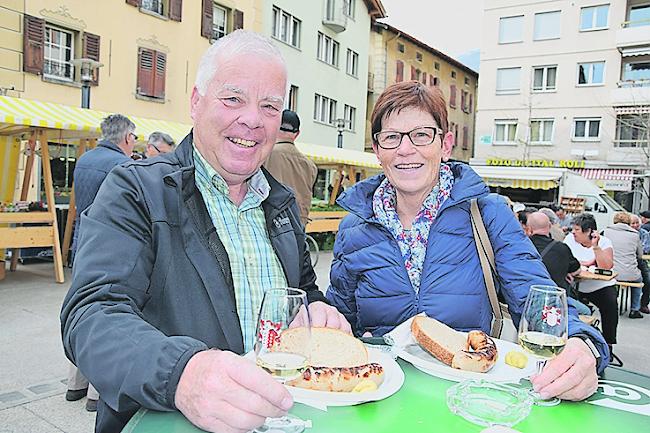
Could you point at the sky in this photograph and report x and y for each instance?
(450, 26)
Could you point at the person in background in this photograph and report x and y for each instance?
(177, 252)
(556, 231)
(114, 148)
(643, 265)
(522, 216)
(563, 218)
(406, 247)
(159, 143)
(645, 220)
(290, 166)
(592, 249)
(557, 257)
(627, 253)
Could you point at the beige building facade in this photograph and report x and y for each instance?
(566, 84)
(396, 56)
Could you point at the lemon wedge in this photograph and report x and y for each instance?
(365, 386)
(516, 359)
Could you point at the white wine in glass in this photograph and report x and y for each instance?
(283, 309)
(543, 329)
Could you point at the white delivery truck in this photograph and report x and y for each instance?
(564, 183)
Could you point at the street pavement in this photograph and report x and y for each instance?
(33, 368)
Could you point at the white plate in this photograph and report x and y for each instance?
(407, 349)
(393, 380)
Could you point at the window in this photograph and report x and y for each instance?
(415, 74)
(349, 115)
(541, 131)
(58, 53)
(418, 56)
(591, 74)
(348, 8)
(219, 22)
(544, 78)
(465, 138)
(433, 81)
(452, 96)
(505, 131)
(400, 47)
(638, 16)
(637, 72)
(436, 66)
(586, 129)
(155, 6)
(508, 80)
(352, 64)
(464, 101)
(632, 130)
(292, 100)
(453, 74)
(399, 72)
(594, 17)
(152, 67)
(467, 81)
(547, 26)
(511, 29)
(324, 109)
(286, 27)
(327, 50)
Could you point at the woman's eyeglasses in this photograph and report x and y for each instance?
(421, 136)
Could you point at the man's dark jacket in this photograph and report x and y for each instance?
(559, 260)
(152, 284)
(90, 171)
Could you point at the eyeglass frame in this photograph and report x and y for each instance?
(135, 136)
(154, 146)
(408, 133)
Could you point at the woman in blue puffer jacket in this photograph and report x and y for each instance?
(407, 245)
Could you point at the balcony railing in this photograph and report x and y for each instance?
(645, 82)
(637, 23)
(631, 143)
(334, 16)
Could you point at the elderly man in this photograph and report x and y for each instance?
(177, 252)
(159, 143)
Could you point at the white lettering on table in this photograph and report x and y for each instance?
(622, 396)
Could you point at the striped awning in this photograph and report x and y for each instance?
(606, 173)
(25, 112)
(332, 155)
(522, 183)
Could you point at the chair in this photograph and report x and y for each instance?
(623, 288)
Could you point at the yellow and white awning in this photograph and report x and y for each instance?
(521, 183)
(519, 177)
(333, 155)
(18, 112)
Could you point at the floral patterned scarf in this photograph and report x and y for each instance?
(412, 243)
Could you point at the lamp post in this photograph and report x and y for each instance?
(87, 69)
(340, 127)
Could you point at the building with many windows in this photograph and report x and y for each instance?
(396, 56)
(566, 84)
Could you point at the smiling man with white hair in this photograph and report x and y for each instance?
(175, 257)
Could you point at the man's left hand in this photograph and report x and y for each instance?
(324, 316)
(569, 376)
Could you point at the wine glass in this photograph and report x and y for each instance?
(282, 309)
(543, 329)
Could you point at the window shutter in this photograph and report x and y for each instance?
(462, 100)
(413, 73)
(399, 76)
(133, 2)
(465, 138)
(206, 19)
(175, 10)
(452, 96)
(160, 72)
(431, 83)
(90, 50)
(145, 71)
(237, 20)
(33, 41)
(424, 78)
(471, 103)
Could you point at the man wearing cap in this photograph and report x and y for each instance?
(290, 167)
(645, 220)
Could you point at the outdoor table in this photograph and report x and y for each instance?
(586, 275)
(622, 404)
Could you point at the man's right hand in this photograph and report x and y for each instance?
(225, 393)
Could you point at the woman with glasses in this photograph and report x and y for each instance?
(407, 245)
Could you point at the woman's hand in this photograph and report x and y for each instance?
(323, 316)
(571, 375)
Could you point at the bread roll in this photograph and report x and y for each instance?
(474, 351)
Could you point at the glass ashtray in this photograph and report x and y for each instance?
(489, 404)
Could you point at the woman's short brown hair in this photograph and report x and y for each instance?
(409, 94)
(622, 217)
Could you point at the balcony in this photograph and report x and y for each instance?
(633, 36)
(633, 92)
(334, 16)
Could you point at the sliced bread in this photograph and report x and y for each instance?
(437, 338)
(328, 347)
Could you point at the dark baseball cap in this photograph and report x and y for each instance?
(645, 214)
(290, 121)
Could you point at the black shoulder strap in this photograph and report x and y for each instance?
(548, 247)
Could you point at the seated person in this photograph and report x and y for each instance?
(407, 245)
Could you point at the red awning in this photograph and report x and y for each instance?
(606, 173)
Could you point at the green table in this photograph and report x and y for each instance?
(622, 404)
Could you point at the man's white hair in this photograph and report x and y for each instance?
(237, 42)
